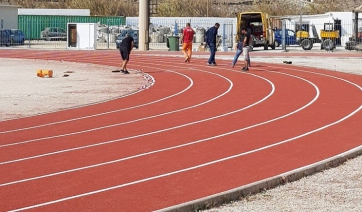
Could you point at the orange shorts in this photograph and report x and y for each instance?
(187, 46)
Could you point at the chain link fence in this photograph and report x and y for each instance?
(306, 32)
(108, 31)
(297, 32)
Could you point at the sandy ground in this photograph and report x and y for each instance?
(22, 93)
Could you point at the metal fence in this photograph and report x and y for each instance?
(159, 30)
(325, 32)
(321, 32)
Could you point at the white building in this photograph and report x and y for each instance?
(8, 16)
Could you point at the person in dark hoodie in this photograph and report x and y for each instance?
(125, 49)
(211, 38)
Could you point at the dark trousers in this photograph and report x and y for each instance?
(212, 47)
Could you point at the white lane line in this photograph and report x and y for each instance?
(143, 154)
(136, 120)
(80, 106)
(105, 113)
(181, 170)
(198, 166)
(131, 137)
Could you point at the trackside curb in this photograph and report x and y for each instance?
(263, 185)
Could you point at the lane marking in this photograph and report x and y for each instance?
(194, 167)
(132, 121)
(105, 113)
(139, 155)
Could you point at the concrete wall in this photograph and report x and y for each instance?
(8, 17)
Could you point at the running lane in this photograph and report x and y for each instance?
(227, 129)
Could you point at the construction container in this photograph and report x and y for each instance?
(32, 25)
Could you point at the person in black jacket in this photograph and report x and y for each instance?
(125, 49)
(211, 37)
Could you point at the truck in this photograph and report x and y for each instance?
(290, 38)
(260, 27)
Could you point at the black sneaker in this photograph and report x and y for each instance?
(117, 71)
(125, 71)
(245, 69)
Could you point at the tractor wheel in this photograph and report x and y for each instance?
(328, 45)
(307, 44)
(277, 44)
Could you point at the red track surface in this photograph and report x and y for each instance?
(198, 131)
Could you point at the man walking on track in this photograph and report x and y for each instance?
(246, 48)
(125, 49)
(211, 35)
(186, 40)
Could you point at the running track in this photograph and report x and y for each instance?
(197, 132)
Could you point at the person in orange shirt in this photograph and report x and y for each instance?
(186, 40)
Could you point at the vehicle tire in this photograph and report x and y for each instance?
(276, 43)
(273, 46)
(328, 45)
(307, 44)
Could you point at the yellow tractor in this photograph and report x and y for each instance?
(327, 38)
(306, 39)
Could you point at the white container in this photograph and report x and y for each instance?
(156, 38)
(200, 38)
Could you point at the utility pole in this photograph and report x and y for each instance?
(144, 17)
(207, 8)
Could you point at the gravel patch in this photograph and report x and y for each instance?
(23, 93)
(346, 65)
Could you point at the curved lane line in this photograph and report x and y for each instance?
(132, 121)
(134, 156)
(208, 163)
(150, 133)
(105, 113)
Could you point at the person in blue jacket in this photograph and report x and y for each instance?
(211, 38)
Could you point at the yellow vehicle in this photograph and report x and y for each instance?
(327, 38)
(306, 36)
(259, 25)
